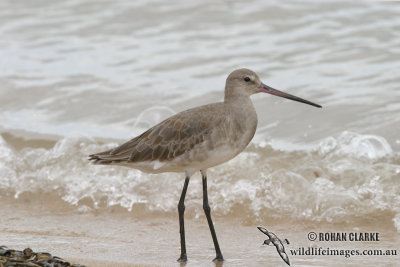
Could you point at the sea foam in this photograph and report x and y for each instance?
(341, 179)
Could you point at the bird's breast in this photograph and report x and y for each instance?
(243, 127)
(231, 135)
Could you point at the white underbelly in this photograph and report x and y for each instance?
(190, 161)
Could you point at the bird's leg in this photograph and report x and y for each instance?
(207, 211)
(181, 211)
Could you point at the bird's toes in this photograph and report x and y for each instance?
(182, 258)
(219, 258)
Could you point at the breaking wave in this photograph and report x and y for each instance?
(341, 179)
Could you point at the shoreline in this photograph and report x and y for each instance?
(102, 235)
(120, 239)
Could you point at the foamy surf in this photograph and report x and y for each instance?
(341, 179)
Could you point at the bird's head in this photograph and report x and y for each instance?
(245, 82)
(242, 82)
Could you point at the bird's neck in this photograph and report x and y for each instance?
(241, 106)
(243, 117)
(239, 101)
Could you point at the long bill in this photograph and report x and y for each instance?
(266, 89)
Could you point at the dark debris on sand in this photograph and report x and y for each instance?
(28, 258)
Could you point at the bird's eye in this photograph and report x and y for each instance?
(246, 79)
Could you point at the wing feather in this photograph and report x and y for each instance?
(166, 140)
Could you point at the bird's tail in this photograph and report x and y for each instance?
(107, 157)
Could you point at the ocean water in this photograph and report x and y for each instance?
(78, 77)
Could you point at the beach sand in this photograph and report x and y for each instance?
(118, 238)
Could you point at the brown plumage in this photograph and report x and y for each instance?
(167, 140)
(198, 129)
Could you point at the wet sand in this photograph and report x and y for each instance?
(119, 238)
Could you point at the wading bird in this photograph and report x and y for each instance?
(197, 139)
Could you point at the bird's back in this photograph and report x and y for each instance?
(186, 140)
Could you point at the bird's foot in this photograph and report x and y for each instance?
(218, 258)
(182, 258)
